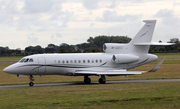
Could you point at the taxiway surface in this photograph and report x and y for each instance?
(73, 84)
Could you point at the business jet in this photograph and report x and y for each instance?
(116, 60)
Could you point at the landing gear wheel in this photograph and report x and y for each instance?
(87, 80)
(31, 84)
(31, 78)
(101, 81)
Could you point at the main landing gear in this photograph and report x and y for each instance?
(102, 80)
(31, 78)
(87, 80)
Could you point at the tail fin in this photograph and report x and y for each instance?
(142, 41)
(139, 44)
(145, 34)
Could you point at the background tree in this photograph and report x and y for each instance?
(51, 48)
(100, 40)
(174, 48)
(94, 44)
(34, 50)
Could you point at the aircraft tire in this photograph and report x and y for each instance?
(87, 80)
(101, 81)
(31, 84)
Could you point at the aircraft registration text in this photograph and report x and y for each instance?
(117, 47)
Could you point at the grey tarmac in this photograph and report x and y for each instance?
(93, 83)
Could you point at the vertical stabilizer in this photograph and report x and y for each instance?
(143, 36)
(146, 32)
(139, 44)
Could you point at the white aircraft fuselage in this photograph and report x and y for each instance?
(68, 64)
(116, 60)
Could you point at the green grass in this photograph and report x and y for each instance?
(167, 54)
(163, 95)
(10, 58)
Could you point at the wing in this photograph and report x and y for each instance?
(109, 72)
(117, 72)
(157, 66)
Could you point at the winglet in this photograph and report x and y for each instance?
(157, 66)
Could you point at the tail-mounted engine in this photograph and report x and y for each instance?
(124, 58)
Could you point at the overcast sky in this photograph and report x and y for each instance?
(41, 22)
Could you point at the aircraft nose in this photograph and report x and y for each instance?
(9, 69)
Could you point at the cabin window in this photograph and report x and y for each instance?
(100, 60)
(71, 61)
(79, 61)
(75, 61)
(88, 61)
(92, 61)
(63, 61)
(84, 61)
(96, 61)
(59, 61)
(67, 61)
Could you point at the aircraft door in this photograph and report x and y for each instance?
(42, 65)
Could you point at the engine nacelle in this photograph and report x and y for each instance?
(115, 48)
(124, 58)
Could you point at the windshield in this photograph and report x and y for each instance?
(26, 60)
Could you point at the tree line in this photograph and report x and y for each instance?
(91, 46)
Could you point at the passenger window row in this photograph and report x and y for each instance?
(78, 61)
(26, 60)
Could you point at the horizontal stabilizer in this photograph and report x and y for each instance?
(153, 43)
(110, 72)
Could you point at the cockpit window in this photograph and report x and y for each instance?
(26, 60)
(30, 60)
(22, 60)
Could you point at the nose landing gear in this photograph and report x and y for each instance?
(31, 78)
